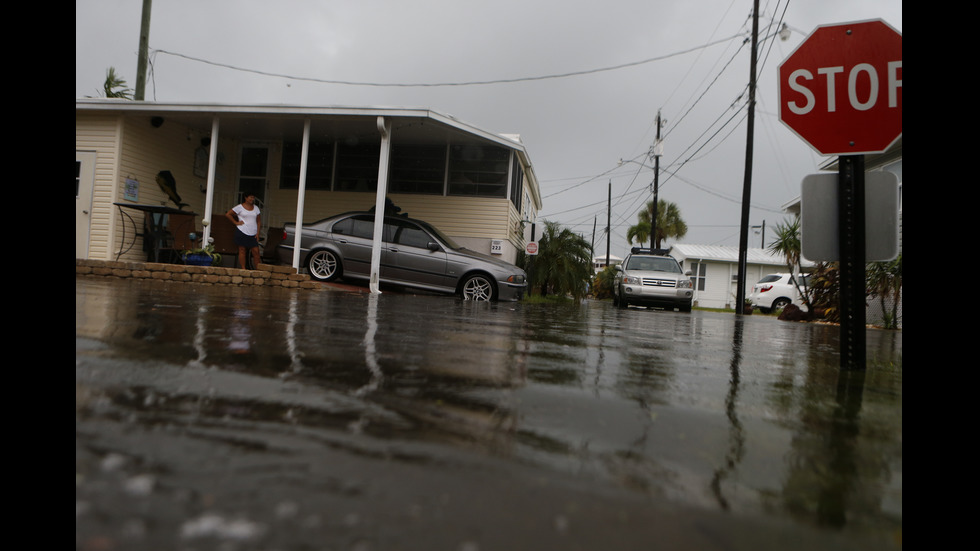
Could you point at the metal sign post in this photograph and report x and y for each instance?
(851, 218)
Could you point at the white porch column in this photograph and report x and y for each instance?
(384, 127)
(209, 196)
(301, 194)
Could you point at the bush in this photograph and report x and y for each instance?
(604, 283)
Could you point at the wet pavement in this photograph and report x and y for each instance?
(273, 419)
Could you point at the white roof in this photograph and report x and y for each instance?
(602, 258)
(722, 253)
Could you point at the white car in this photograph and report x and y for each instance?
(775, 292)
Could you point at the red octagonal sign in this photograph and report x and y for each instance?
(841, 89)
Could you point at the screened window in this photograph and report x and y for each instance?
(418, 169)
(478, 170)
(357, 167)
(319, 166)
(518, 184)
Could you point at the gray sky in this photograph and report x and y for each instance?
(584, 85)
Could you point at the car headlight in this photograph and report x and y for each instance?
(518, 279)
(630, 280)
(685, 284)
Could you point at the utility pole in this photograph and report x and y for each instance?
(608, 222)
(595, 222)
(655, 152)
(144, 52)
(743, 240)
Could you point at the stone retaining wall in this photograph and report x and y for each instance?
(266, 274)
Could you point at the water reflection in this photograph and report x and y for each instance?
(742, 415)
(736, 438)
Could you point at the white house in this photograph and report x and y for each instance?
(714, 269)
(474, 185)
(599, 262)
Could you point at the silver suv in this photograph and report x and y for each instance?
(649, 279)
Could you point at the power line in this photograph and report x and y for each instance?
(443, 84)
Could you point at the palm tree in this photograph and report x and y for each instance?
(787, 243)
(640, 232)
(115, 87)
(669, 224)
(564, 262)
(885, 282)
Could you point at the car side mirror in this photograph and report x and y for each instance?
(689, 273)
(433, 246)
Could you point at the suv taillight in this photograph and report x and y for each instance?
(765, 288)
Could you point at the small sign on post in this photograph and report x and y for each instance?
(532, 248)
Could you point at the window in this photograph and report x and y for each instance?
(478, 170)
(418, 169)
(698, 272)
(357, 167)
(410, 235)
(356, 226)
(253, 172)
(319, 165)
(517, 185)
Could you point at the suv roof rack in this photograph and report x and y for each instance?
(647, 250)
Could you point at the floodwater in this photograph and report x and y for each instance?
(275, 419)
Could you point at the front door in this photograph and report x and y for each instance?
(409, 258)
(84, 183)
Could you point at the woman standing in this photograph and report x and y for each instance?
(248, 218)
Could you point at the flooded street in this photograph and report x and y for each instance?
(276, 419)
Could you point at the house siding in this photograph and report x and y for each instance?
(130, 147)
(720, 282)
(101, 135)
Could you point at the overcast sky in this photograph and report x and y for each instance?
(580, 82)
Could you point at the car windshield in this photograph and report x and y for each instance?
(653, 264)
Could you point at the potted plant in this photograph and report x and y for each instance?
(204, 256)
(747, 307)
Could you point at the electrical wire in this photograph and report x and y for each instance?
(446, 84)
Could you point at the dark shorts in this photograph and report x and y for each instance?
(247, 241)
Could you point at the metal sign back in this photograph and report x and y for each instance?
(819, 225)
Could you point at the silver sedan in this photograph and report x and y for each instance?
(414, 254)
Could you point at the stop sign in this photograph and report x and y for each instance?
(841, 89)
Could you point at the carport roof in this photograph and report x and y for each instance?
(328, 123)
(286, 121)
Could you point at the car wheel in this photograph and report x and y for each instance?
(780, 303)
(479, 288)
(685, 308)
(623, 303)
(324, 265)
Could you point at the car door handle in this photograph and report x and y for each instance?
(393, 250)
